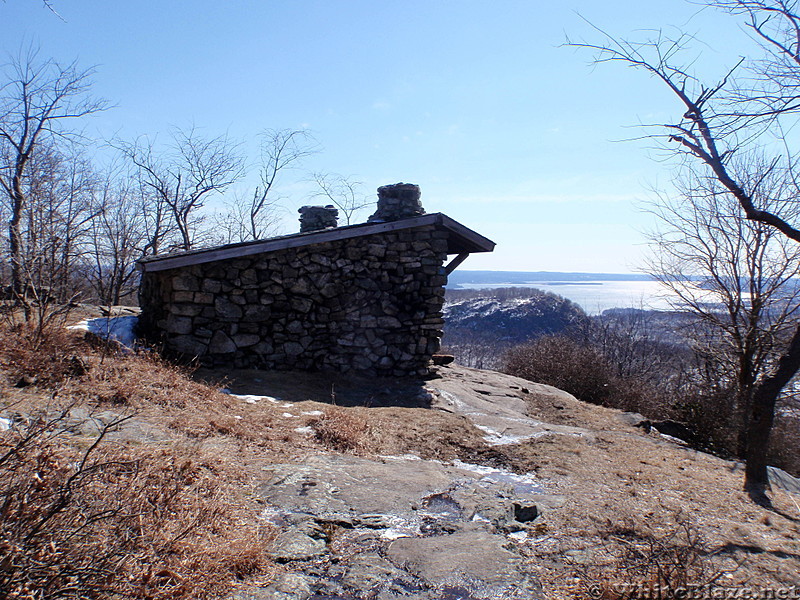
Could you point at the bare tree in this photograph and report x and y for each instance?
(181, 177)
(746, 108)
(118, 238)
(343, 192)
(57, 222)
(37, 100)
(256, 216)
(159, 226)
(735, 276)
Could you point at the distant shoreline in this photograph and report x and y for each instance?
(460, 278)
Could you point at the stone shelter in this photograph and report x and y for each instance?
(364, 298)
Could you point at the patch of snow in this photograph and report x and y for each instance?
(250, 398)
(119, 329)
(507, 440)
(783, 480)
(488, 430)
(480, 469)
(522, 484)
(673, 439)
(519, 536)
(408, 457)
(288, 415)
(495, 438)
(400, 528)
(287, 404)
(5, 424)
(394, 533)
(453, 401)
(308, 430)
(498, 439)
(312, 413)
(272, 515)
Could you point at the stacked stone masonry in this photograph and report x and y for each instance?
(369, 303)
(316, 218)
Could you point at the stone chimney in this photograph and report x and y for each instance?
(316, 218)
(398, 201)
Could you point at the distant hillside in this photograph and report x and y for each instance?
(480, 323)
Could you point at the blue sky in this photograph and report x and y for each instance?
(475, 101)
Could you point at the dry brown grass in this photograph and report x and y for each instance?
(396, 431)
(136, 522)
(344, 429)
(81, 517)
(140, 380)
(29, 356)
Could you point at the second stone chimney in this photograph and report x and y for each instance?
(397, 201)
(315, 218)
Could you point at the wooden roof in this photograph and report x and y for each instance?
(461, 240)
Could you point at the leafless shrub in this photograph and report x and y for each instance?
(579, 369)
(481, 354)
(115, 521)
(783, 444)
(639, 563)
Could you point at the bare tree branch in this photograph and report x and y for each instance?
(256, 216)
(181, 177)
(343, 192)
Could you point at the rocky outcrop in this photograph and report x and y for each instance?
(433, 529)
(389, 527)
(481, 325)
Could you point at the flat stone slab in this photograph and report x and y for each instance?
(296, 545)
(287, 586)
(397, 494)
(370, 571)
(495, 408)
(475, 563)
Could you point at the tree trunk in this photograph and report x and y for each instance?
(19, 282)
(765, 396)
(744, 399)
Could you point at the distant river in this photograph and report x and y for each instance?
(596, 296)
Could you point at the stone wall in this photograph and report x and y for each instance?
(370, 303)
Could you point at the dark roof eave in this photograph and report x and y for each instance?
(462, 240)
